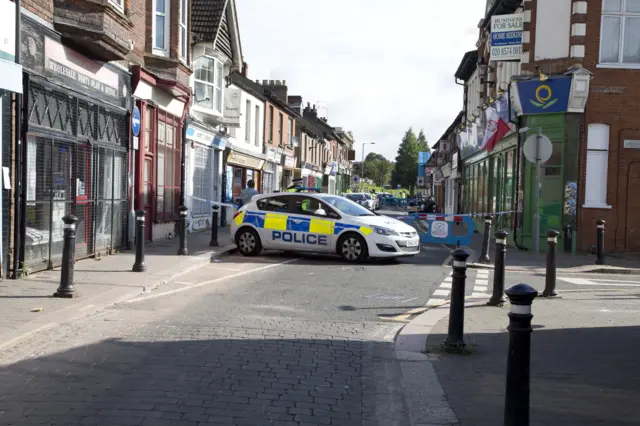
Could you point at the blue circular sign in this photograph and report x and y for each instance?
(135, 121)
(356, 178)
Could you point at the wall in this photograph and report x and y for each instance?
(553, 23)
(239, 139)
(473, 94)
(273, 137)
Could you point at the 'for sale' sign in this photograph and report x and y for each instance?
(506, 37)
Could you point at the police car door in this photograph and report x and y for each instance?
(311, 231)
(273, 232)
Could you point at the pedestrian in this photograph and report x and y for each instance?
(247, 194)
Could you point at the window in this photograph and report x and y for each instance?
(280, 125)
(308, 206)
(290, 132)
(597, 166)
(161, 21)
(202, 178)
(257, 124)
(119, 4)
(208, 84)
(167, 167)
(270, 125)
(620, 32)
(183, 29)
(247, 122)
(275, 204)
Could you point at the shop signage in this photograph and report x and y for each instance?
(289, 162)
(420, 181)
(197, 135)
(308, 166)
(246, 161)
(232, 100)
(632, 144)
(10, 71)
(334, 168)
(506, 37)
(271, 154)
(327, 170)
(550, 96)
(71, 65)
(135, 121)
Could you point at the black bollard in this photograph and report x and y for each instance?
(139, 265)
(454, 342)
(568, 239)
(214, 227)
(484, 257)
(66, 290)
(516, 403)
(497, 298)
(550, 280)
(600, 242)
(182, 227)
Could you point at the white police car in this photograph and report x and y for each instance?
(320, 223)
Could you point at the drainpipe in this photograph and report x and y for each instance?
(19, 226)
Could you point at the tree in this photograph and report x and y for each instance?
(406, 169)
(377, 168)
(422, 142)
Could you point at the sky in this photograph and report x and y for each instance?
(374, 67)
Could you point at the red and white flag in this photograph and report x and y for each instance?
(495, 131)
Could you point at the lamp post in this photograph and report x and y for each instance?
(362, 165)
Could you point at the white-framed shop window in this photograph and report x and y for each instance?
(620, 33)
(161, 29)
(595, 195)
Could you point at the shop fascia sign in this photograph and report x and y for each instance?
(552, 94)
(198, 135)
(289, 161)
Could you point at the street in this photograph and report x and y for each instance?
(272, 340)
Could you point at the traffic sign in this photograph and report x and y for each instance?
(135, 121)
(356, 178)
(545, 148)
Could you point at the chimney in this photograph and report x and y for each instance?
(310, 113)
(296, 103)
(270, 82)
(265, 82)
(245, 69)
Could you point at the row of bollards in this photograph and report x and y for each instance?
(66, 288)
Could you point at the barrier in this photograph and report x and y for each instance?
(442, 228)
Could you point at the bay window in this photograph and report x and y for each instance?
(161, 31)
(620, 32)
(167, 166)
(208, 84)
(183, 30)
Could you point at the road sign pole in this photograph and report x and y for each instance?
(536, 213)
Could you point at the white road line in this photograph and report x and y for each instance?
(448, 279)
(239, 274)
(441, 293)
(84, 308)
(446, 285)
(436, 302)
(606, 283)
(480, 281)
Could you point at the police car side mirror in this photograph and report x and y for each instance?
(320, 212)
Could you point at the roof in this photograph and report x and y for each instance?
(280, 103)
(248, 85)
(453, 125)
(467, 65)
(500, 7)
(206, 16)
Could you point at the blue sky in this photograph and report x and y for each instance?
(375, 67)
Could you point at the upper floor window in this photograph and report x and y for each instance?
(290, 132)
(162, 17)
(247, 122)
(270, 125)
(208, 83)
(280, 124)
(183, 29)
(620, 33)
(119, 4)
(257, 125)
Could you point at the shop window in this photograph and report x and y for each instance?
(597, 166)
(208, 84)
(202, 178)
(161, 29)
(620, 32)
(167, 167)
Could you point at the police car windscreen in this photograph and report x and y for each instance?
(347, 206)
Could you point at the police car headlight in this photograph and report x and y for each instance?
(384, 231)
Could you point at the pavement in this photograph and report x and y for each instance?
(27, 305)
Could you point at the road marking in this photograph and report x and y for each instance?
(201, 284)
(84, 308)
(441, 292)
(446, 285)
(601, 282)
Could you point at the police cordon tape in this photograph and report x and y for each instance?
(213, 203)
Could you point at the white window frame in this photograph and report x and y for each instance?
(597, 166)
(118, 4)
(183, 38)
(216, 84)
(257, 125)
(289, 132)
(621, 15)
(167, 28)
(247, 121)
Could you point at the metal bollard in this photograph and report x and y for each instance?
(497, 298)
(454, 341)
(568, 239)
(66, 290)
(214, 227)
(550, 280)
(138, 265)
(484, 257)
(600, 242)
(182, 227)
(516, 401)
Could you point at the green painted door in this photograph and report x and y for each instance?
(551, 181)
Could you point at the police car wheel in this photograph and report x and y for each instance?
(353, 248)
(248, 242)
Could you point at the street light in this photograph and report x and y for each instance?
(363, 144)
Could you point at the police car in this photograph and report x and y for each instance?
(320, 223)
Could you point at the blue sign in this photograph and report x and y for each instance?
(544, 97)
(423, 158)
(135, 121)
(356, 179)
(510, 38)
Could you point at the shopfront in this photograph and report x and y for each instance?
(241, 168)
(76, 140)
(203, 173)
(270, 173)
(329, 178)
(288, 167)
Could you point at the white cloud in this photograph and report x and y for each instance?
(379, 66)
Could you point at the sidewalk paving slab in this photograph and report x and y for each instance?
(28, 306)
(583, 362)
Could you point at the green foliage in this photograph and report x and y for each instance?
(378, 169)
(406, 168)
(423, 145)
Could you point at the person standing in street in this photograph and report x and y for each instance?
(247, 194)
